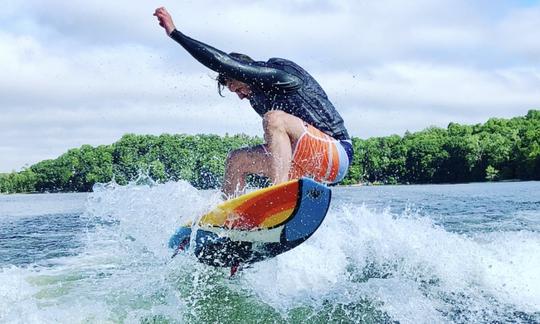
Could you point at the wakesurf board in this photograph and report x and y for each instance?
(256, 226)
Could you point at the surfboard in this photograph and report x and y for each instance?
(256, 226)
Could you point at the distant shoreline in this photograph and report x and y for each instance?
(498, 150)
(336, 186)
(431, 184)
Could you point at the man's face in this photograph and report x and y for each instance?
(240, 88)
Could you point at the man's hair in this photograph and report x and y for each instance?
(222, 79)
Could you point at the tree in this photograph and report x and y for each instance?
(496, 150)
(425, 155)
(464, 153)
(491, 173)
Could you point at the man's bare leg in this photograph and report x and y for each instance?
(281, 132)
(242, 162)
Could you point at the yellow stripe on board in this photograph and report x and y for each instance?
(277, 218)
(216, 217)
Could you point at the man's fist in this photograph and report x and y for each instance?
(165, 20)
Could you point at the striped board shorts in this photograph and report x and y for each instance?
(320, 157)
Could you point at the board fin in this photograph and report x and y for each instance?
(235, 268)
(181, 247)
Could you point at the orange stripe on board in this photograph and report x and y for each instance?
(224, 211)
(255, 211)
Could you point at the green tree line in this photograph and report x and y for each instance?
(499, 149)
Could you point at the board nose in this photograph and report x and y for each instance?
(311, 211)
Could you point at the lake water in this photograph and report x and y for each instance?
(411, 254)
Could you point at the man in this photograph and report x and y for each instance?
(304, 134)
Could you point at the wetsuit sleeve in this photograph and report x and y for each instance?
(253, 74)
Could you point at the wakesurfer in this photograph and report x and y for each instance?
(303, 132)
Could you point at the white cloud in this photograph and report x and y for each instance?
(520, 33)
(398, 97)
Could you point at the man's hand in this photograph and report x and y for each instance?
(165, 20)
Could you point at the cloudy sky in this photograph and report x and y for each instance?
(87, 72)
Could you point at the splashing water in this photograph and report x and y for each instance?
(364, 264)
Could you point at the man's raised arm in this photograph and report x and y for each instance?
(221, 62)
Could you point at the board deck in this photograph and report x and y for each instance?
(256, 226)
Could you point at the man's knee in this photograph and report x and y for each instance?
(274, 119)
(243, 155)
(235, 156)
(279, 121)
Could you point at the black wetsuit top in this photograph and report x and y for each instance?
(277, 84)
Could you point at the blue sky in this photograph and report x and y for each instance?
(74, 72)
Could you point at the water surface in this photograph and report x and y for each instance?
(409, 254)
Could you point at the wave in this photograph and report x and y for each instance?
(363, 264)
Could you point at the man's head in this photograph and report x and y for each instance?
(241, 89)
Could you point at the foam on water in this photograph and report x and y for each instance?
(362, 264)
(413, 269)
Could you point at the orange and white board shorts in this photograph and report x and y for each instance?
(319, 156)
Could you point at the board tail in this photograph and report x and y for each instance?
(180, 240)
